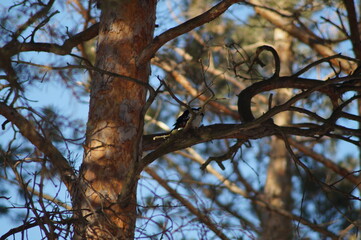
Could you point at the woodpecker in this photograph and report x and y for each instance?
(183, 119)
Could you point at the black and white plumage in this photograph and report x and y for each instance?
(183, 119)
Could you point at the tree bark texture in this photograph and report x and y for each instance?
(278, 183)
(106, 199)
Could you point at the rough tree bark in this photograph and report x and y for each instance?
(278, 183)
(106, 198)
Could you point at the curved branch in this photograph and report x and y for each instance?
(275, 57)
(244, 98)
(185, 27)
(28, 130)
(329, 87)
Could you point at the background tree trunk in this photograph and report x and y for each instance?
(278, 184)
(115, 124)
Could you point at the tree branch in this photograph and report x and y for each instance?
(28, 130)
(353, 24)
(14, 47)
(327, 163)
(40, 14)
(257, 198)
(203, 218)
(185, 27)
(21, 228)
(261, 127)
(305, 36)
(250, 130)
(331, 88)
(181, 79)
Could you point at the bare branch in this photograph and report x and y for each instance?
(219, 159)
(181, 79)
(326, 59)
(13, 48)
(354, 29)
(332, 88)
(21, 228)
(257, 198)
(306, 36)
(185, 27)
(203, 218)
(329, 88)
(40, 14)
(251, 130)
(327, 162)
(28, 130)
(276, 58)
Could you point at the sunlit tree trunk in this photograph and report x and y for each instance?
(278, 184)
(107, 192)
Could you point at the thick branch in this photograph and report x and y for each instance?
(28, 130)
(185, 27)
(251, 130)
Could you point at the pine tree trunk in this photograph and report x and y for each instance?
(115, 123)
(278, 184)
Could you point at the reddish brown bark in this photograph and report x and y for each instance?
(107, 196)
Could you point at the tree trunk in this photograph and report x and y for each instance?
(278, 184)
(106, 199)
